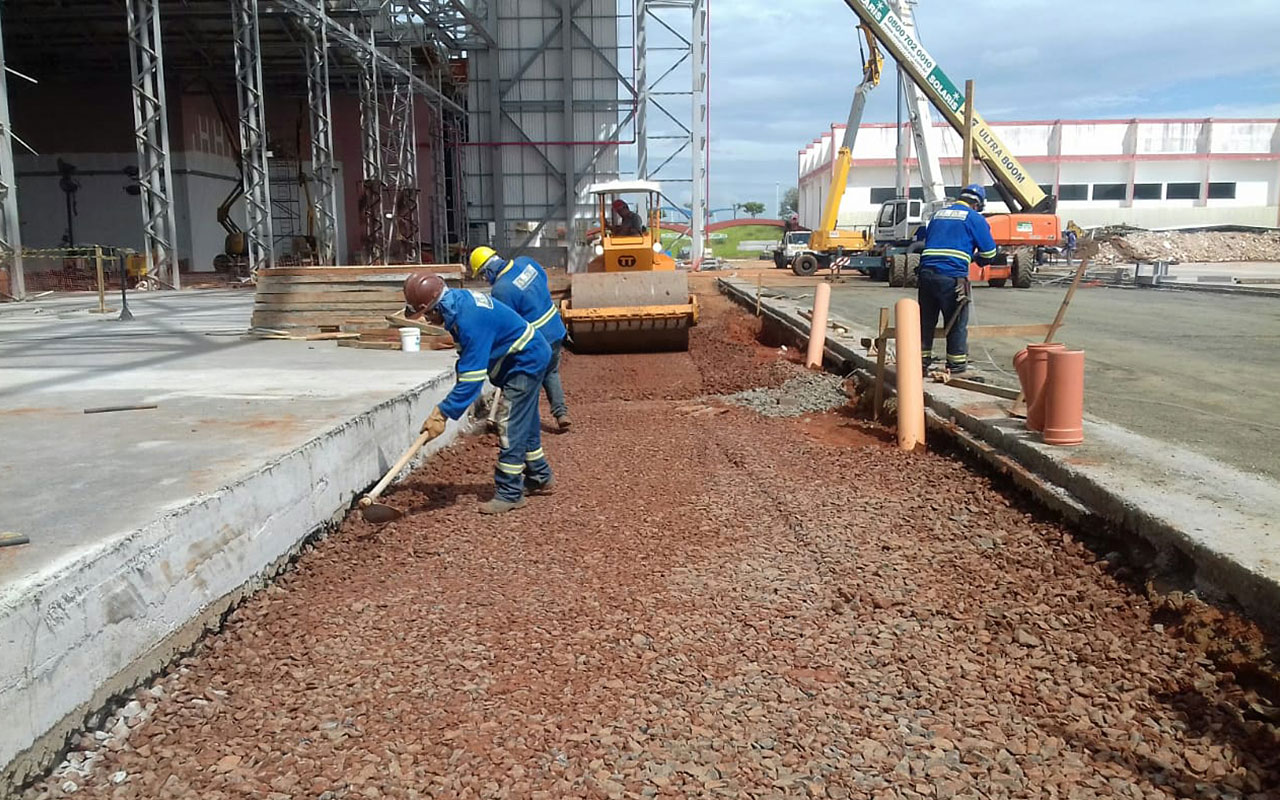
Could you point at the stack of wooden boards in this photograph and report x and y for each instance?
(350, 304)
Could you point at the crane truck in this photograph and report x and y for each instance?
(1032, 220)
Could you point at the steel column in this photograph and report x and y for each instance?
(499, 238)
(641, 46)
(573, 256)
(371, 165)
(151, 137)
(324, 201)
(698, 195)
(400, 172)
(10, 232)
(253, 134)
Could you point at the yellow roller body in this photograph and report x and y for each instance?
(620, 312)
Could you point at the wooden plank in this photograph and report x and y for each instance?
(350, 289)
(351, 308)
(373, 279)
(974, 386)
(314, 319)
(993, 331)
(360, 344)
(309, 337)
(375, 269)
(882, 344)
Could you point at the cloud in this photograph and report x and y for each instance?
(781, 73)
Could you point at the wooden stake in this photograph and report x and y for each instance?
(968, 134)
(102, 283)
(882, 344)
(757, 294)
(1019, 403)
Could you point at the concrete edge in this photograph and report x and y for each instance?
(108, 621)
(1078, 498)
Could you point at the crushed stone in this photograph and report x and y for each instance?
(805, 394)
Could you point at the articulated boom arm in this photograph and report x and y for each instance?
(872, 67)
(898, 38)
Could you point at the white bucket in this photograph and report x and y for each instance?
(410, 340)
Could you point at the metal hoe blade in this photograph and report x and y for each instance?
(380, 513)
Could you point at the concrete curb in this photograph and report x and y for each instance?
(89, 629)
(1220, 519)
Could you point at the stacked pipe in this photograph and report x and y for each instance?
(1052, 379)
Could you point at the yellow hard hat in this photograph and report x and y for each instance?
(479, 257)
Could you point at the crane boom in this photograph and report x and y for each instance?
(923, 70)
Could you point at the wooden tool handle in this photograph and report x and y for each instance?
(399, 465)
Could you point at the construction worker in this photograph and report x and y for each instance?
(493, 342)
(955, 236)
(522, 284)
(629, 222)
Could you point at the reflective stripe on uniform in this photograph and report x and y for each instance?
(960, 359)
(524, 339)
(535, 455)
(949, 253)
(545, 318)
(511, 469)
(473, 376)
(989, 253)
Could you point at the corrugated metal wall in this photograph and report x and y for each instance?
(530, 136)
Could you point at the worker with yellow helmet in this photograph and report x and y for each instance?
(522, 284)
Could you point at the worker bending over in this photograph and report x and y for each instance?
(629, 222)
(522, 284)
(495, 343)
(955, 236)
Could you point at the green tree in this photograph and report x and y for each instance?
(753, 208)
(790, 201)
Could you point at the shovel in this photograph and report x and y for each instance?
(380, 513)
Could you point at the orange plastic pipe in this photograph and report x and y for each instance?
(906, 321)
(1037, 368)
(1064, 398)
(818, 326)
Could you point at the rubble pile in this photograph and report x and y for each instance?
(1128, 245)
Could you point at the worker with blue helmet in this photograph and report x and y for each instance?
(956, 236)
(493, 342)
(522, 284)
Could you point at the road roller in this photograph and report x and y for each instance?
(631, 299)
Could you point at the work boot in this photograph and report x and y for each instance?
(548, 488)
(563, 422)
(499, 506)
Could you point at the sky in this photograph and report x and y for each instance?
(783, 70)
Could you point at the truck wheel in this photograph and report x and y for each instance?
(897, 270)
(804, 265)
(779, 261)
(913, 270)
(1024, 264)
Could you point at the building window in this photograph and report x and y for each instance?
(1146, 191)
(1108, 191)
(916, 193)
(1222, 191)
(882, 195)
(1047, 188)
(1182, 191)
(1073, 191)
(953, 192)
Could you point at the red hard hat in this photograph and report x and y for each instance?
(619, 203)
(422, 290)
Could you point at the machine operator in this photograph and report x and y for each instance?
(629, 222)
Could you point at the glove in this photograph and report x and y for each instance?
(435, 423)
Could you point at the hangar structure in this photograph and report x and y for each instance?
(230, 135)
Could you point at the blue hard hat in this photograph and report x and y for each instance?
(975, 195)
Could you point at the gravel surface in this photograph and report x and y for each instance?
(714, 604)
(804, 394)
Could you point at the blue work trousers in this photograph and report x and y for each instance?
(938, 297)
(520, 455)
(554, 388)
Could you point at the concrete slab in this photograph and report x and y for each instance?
(1221, 518)
(1197, 370)
(144, 524)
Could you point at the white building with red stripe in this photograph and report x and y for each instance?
(1151, 173)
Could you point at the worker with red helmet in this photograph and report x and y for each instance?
(493, 342)
(629, 222)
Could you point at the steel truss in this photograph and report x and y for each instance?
(253, 134)
(324, 200)
(10, 231)
(151, 136)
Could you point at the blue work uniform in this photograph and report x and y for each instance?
(494, 342)
(956, 236)
(522, 284)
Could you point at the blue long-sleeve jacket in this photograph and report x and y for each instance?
(522, 284)
(954, 236)
(493, 342)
